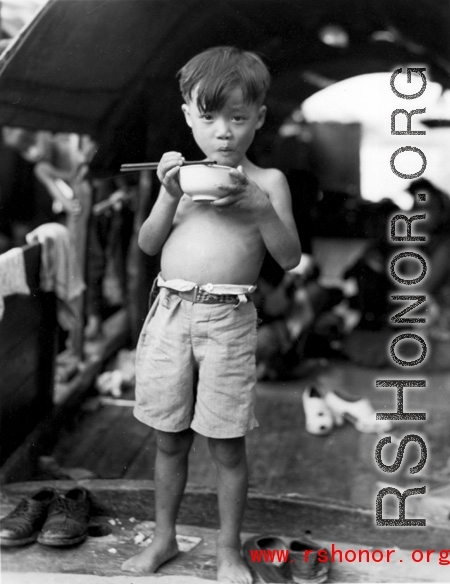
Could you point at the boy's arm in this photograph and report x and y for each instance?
(271, 209)
(276, 224)
(157, 226)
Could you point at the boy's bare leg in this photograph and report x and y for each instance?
(232, 478)
(170, 480)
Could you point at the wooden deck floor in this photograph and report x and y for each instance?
(105, 441)
(122, 509)
(102, 557)
(283, 458)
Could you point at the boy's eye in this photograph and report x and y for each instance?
(206, 116)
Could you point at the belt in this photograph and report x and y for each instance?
(198, 295)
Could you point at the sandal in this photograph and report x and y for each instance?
(357, 411)
(306, 566)
(319, 419)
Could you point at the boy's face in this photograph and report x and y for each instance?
(225, 135)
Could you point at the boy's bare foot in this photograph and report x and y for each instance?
(231, 566)
(147, 561)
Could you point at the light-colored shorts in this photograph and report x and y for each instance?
(183, 341)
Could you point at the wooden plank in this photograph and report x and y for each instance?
(24, 405)
(20, 360)
(320, 518)
(21, 465)
(105, 440)
(21, 319)
(94, 556)
(103, 556)
(27, 353)
(115, 460)
(435, 507)
(32, 256)
(77, 226)
(194, 567)
(22, 311)
(28, 342)
(84, 447)
(20, 395)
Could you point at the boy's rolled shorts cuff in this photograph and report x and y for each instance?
(207, 432)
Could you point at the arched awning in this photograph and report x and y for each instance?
(108, 67)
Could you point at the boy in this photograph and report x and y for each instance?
(203, 322)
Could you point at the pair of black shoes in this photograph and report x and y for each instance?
(48, 517)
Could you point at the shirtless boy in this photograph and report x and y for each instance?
(203, 321)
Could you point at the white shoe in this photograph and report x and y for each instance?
(319, 419)
(359, 412)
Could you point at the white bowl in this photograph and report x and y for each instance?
(200, 181)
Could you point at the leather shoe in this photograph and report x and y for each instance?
(67, 519)
(22, 525)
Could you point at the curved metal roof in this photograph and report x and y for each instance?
(107, 67)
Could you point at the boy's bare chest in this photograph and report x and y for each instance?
(227, 231)
(208, 244)
(208, 218)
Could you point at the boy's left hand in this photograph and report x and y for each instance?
(245, 194)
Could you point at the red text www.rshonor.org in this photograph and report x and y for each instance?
(363, 555)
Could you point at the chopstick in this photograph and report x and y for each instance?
(154, 165)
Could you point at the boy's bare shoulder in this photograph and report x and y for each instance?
(271, 180)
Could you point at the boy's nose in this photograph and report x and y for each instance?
(223, 131)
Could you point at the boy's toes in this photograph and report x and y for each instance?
(231, 567)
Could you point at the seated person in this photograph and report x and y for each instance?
(290, 306)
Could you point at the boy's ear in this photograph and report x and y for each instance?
(261, 116)
(187, 114)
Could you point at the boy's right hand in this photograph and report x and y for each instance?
(168, 169)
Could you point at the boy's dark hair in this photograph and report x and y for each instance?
(218, 71)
